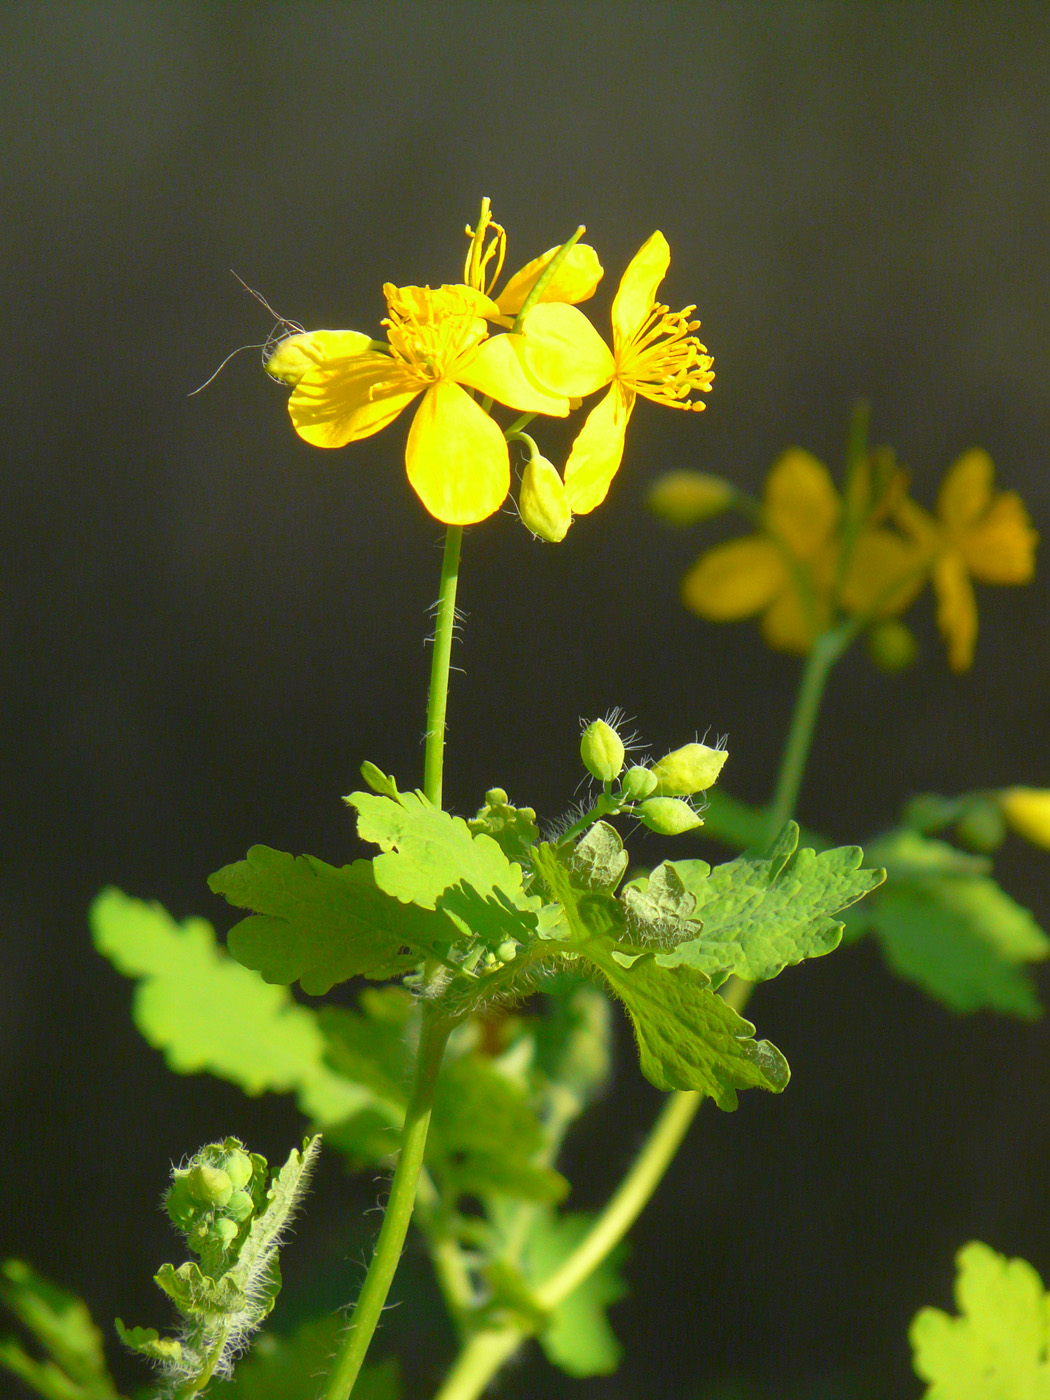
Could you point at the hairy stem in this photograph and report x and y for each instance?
(354, 1344)
(437, 703)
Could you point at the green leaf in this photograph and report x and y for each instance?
(513, 829)
(207, 1012)
(764, 913)
(963, 940)
(997, 1349)
(195, 1293)
(318, 924)
(688, 1038)
(660, 910)
(598, 861)
(577, 1337)
(147, 1341)
(427, 852)
(277, 1367)
(485, 1136)
(64, 1328)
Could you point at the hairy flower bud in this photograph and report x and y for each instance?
(669, 816)
(239, 1168)
(693, 768)
(297, 354)
(209, 1185)
(602, 751)
(638, 783)
(240, 1206)
(686, 497)
(225, 1231)
(542, 501)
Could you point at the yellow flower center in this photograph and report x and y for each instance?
(664, 361)
(435, 332)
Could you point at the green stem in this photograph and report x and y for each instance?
(827, 649)
(437, 703)
(355, 1341)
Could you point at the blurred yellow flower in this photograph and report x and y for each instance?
(1027, 810)
(655, 354)
(438, 345)
(808, 560)
(977, 533)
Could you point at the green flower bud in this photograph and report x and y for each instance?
(239, 1169)
(602, 751)
(209, 1185)
(891, 645)
(669, 816)
(296, 355)
(239, 1206)
(507, 951)
(981, 825)
(638, 783)
(686, 498)
(542, 501)
(181, 1207)
(693, 768)
(224, 1231)
(928, 812)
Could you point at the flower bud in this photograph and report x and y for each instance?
(693, 768)
(686, 498)
(980, 825)
(602, 751)
(892, 646)
(297, 354)
(638, 783)
(669, 816)
(240, 1206)
(224, 1231)
(209, 1185)
(542, 501)
(1027, 810)
(239, 1169)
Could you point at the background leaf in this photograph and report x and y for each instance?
(289, 1368)
(62, 1325)
(578, 1337)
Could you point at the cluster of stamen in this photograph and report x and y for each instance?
(665, 362)
(431, 329)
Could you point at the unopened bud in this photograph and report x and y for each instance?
(224, 1231)
(239, 1206)
(542, 501)
(239, 1168)
(981, 825)
(1027, 810)
(296, 355)
(693, 768)
(209, 1185)
(669, 816)
(602, 751)
(892, 645)
(638, 783)
(686, 498)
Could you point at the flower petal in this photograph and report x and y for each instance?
(499, 370)
(736, 579)
(1001, 547)
(886, 574)
(787, 626)
(967, 490)
(564, 352)
(638, 286)
(456, 457)
(598, 451)
(575, 280)
(801, 504)
(296, 355)
(342, 400)
(956, 609)
(1028, 812)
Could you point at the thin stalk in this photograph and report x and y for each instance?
(372, 1298)
(437, 704)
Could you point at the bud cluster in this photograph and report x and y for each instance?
(214, 1196)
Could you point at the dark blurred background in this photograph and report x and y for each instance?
(208, 625)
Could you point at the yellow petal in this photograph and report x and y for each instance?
(788, 626)
(1028, 811)
(296, 355)
(499, 371)
(735, 580)
(574, 281)
(564, 352)
(340, 401)
(966, 490)
(598, 451)
(638, 286)
(1001, 547)
(885, 576)
(456, 457)
(956, 609)
(801, 505)
(919, 525)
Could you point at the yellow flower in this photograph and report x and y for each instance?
(655, 354)
(977, 534)
(1027, 810)
(575, 279)
(790, 571)
(437, 342)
